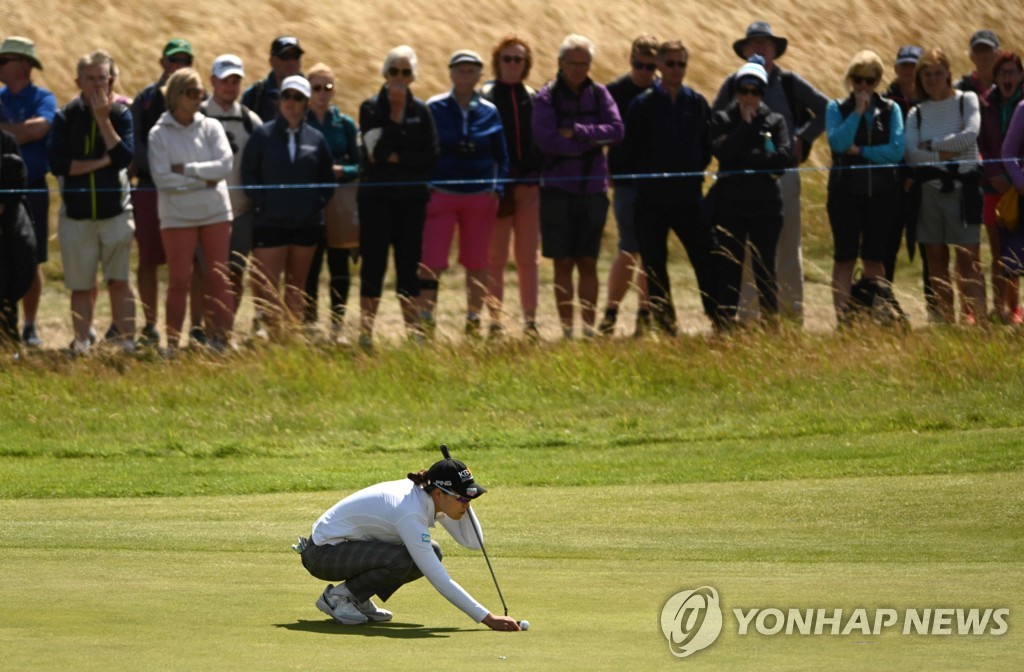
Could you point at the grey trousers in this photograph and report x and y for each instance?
(367, 567)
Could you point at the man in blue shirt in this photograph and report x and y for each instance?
(285, 60)
(26, 112)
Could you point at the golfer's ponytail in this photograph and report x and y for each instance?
(419, 478)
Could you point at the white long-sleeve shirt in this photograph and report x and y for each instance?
(203, 149)
(949, 130)
(400, 512)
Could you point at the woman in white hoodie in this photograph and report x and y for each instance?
(189, 158)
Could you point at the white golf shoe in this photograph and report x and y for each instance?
(366, 607)
(341, 608)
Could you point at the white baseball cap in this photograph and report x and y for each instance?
(227, 65)
(297, 83)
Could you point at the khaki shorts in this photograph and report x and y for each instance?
(941, 220)
(87, 243)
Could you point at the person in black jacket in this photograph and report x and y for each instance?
(748, 136)
(667, 132)
(400, 148)
(17, 238)
(91, 148)
(288, 222)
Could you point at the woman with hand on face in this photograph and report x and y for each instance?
(942, 132)
(342, 137)
(189, 159)
(996, 111)
(469, 175)
(519, 211)
(748, 136)
(288, 222)
(863, 203)
(399, 151)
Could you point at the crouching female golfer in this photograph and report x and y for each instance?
(378, 539)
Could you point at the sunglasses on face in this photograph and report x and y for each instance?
(649, 67)
(404, 72)
(4, 60)
(323, 87)
(857, 79)
(292, 95)
(675, 64)
(180, 60)
(462, 500)
(290, 56)
(749, 91)
(194, 93)
(512, 59)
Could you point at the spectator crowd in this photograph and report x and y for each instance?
(219, 181)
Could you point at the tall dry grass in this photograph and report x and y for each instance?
(352, 37)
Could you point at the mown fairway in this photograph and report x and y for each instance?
(789, 471)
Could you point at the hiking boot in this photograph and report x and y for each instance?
(607, 325)
(341, 608)
(30, 337)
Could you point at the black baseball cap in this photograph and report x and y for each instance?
(454, 475)
(284, 44)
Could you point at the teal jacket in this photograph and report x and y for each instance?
(342, 137)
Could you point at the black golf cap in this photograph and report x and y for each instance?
(454, 475)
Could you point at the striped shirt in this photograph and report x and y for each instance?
(950, 126)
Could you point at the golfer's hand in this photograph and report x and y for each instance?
(501, 623)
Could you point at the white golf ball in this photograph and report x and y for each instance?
(524, 625)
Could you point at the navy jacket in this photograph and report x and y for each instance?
(266, 161)
(414, 141)
(669, 136)
(762, 146)
(103, 193)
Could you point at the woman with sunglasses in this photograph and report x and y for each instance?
(189, 159)
(399, 152)
(519, 211)
(942, 132)
(378, 539)
(342, 137)
(288, 223)
(863, 129)
(753, 149)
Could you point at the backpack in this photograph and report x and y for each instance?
(245, 118)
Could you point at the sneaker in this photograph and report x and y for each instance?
(113, 333)
(588, 332)
(428, 323)
(372, 612)
(30, 338)
(607, 325)
(496, 331)
(340, 608)
(80, 347)
(473, 326)
(531, 331)
(150, 337)
(93, 336)
(365, 342)
(197, 336)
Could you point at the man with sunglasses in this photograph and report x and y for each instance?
(26, 112)
(379, 538)
(264, 96)
(667, 132)
(147, 108)
(641, 75)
